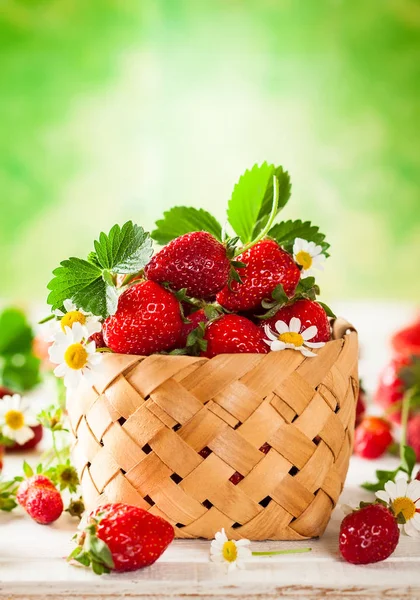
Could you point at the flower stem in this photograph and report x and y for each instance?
(274, 552)
(54, 445)
(404, 420)
(271, 218)
(46, 319)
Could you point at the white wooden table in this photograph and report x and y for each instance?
(32, 563)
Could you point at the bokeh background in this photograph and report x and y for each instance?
(119, 109)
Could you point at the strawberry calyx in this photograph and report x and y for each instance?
(306, 289)
(92, 552)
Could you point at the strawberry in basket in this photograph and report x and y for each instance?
(206, 292)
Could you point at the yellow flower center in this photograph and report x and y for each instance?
(14, 419)
(74, 316)
(304, 259)
(405, 506)
(230, 551)
(291, 337)
(76, 356)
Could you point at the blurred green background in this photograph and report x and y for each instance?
(118, 109)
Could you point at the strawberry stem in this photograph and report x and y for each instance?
(271, 218)
(274, 552)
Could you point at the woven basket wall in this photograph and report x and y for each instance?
(257, 444)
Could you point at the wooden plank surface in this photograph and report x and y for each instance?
(32, 565)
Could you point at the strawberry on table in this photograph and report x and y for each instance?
(121, 537)
(407, 340)
(399, 375)
(267, 266)
(372, 437)
(41, 499)
(148, 320)
(309, 313)
(232, 334)
(195, 261)
(368, 535)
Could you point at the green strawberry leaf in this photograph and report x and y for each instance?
(185, 219)
(285, 188)
(125, 249)
(286, 232)
(408, 460)
(327, 310)
(90, 284)
(27, 469)
(248, 201)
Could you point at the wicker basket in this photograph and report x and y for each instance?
(256, 443)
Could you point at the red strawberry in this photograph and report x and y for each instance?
(131, 538)
(368, 535)
(1, 457)
(98, 338)
(5, 392)
(44, 504)
(232, 334)
(195, 318)
(30, 444)
(29, 484)
(372, 437)
(148, 320)
(391, 387)
(267, 266)
(195, 261)
(407, 341)
(361, 405)
(413, 435)
(309, 313)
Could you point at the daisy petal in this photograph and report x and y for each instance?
(382, 495)
(410, 529)
(294, 325)
(391, 488)
(309, 333)
(306, 352)
(401, 488)
(278, 345)
(413, 489)
(315, 344)
(281, 326)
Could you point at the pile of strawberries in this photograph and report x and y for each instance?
(188, 286)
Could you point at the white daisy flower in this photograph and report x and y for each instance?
(404, 498)
(309, 256)
(75, 356)
(16, 419)
(291, 336)
(71, 316)
(232, 554)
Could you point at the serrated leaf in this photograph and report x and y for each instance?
(285, 188)
(246, 203)
(286, 232)
(83, 283)
(125, 249)
(185, 219)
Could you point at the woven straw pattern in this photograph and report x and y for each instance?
(257, 444)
